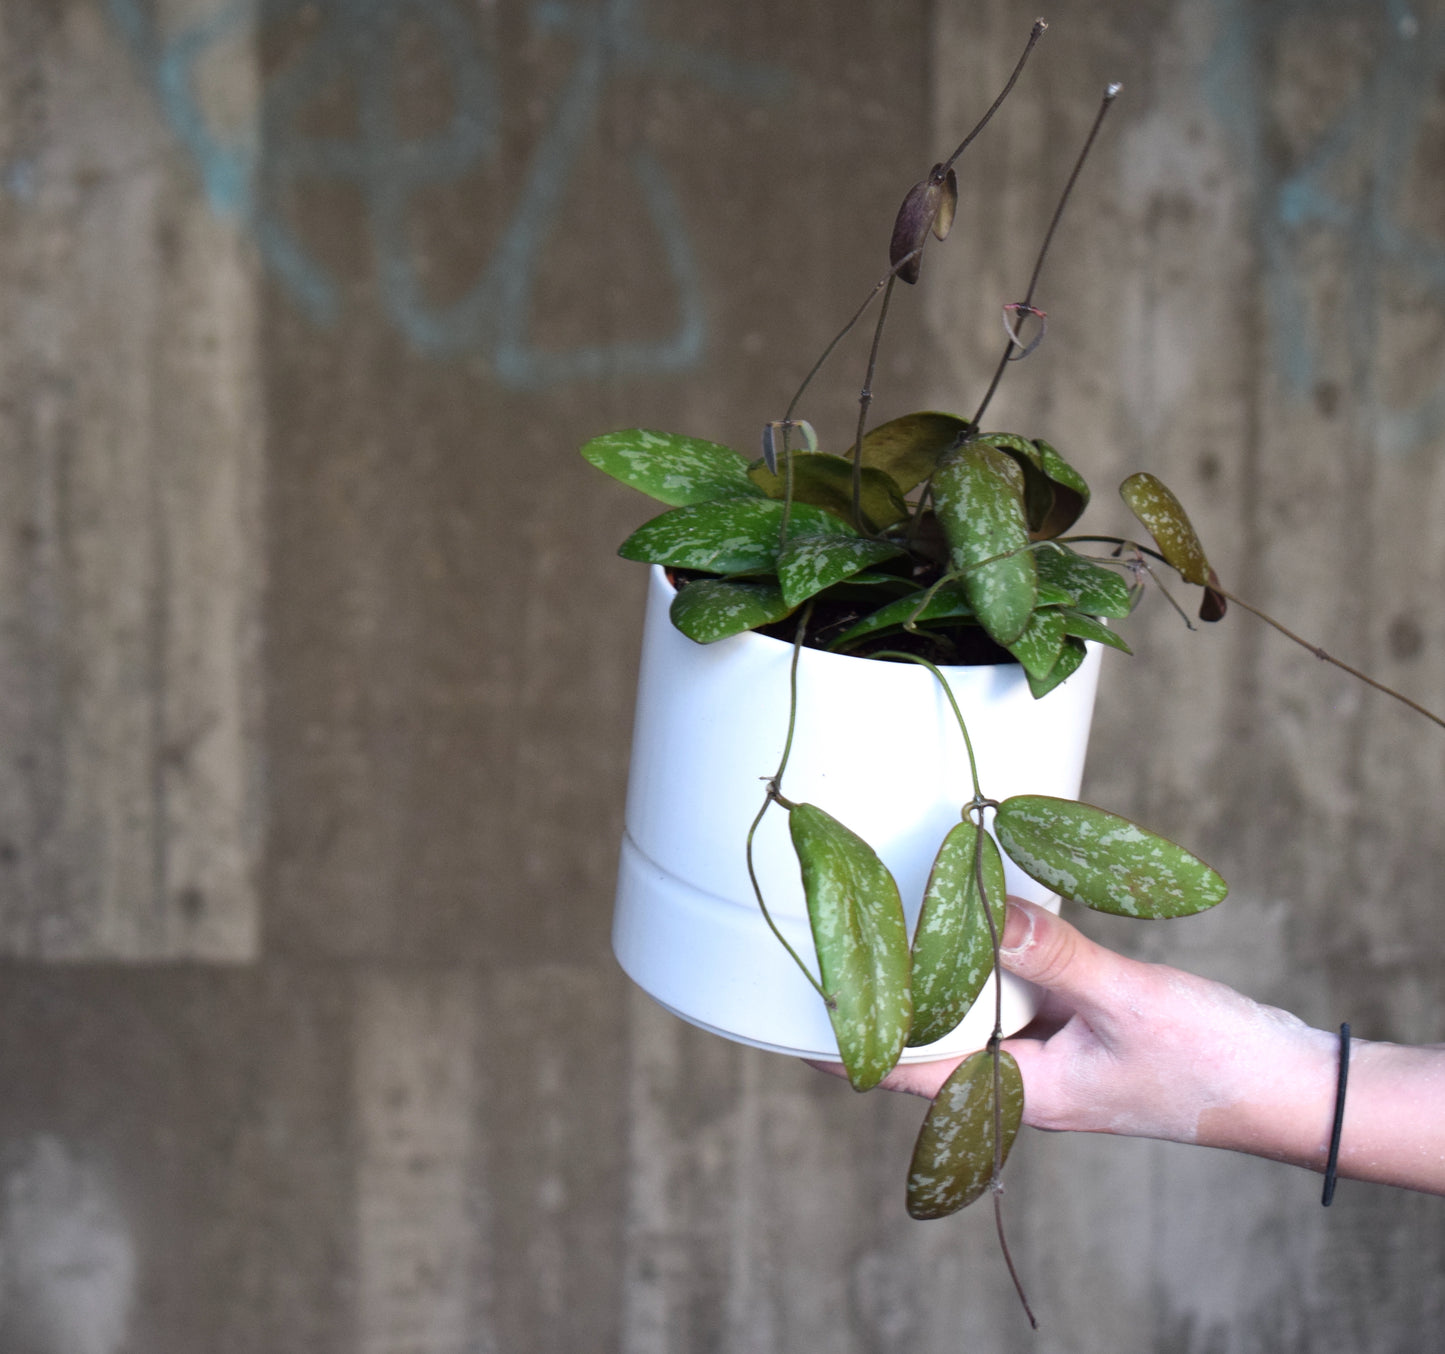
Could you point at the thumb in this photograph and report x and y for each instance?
(1045, 950)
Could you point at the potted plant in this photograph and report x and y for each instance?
(865, 693)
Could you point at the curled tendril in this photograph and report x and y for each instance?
(1011, 312)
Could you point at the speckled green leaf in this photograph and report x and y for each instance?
(1059, 470)
(908, 449)
(1082, 626)
(952, 947)
(1038, 488)
(978, 496)
(677, 470)
(1071, 493)
(1154, 504)
(862, 942)
(1022, 447)
(808, 564)
(711, 609)
(1104, 861)
(1050, 594)
(947, 604)
(727, 536)
(826, 481)
(1041, 643)
(953, 1160)
(1096, 589)
(1071, 658)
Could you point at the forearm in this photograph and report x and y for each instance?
(1150, 1051)
(1394, 1122)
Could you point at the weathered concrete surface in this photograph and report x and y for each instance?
(132, 567)
(316, 662)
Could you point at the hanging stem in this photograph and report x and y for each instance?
(1110, 94)
(1330, 658)
(1323, 655)
(1039, 29)
(978, 799)
(865, 398)
(995, 1041)
(843, 333)
(775, 795)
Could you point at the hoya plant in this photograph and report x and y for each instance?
(936, 541)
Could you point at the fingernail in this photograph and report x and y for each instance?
(1018, 930)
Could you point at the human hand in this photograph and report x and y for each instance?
(1141, 1049)
(1121, 1046)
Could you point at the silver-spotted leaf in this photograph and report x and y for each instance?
(1095, 588)
(953, 946)
(1104, 861)
(1083, 626)
(1154, 504)
(947, 604)
(1022, 448)
(954, 1159)
(674, 469)
(1041, 643)
(726, 536)
(826, 481)
(1071, 658)
(908, 449)
(861, 938)
(978, 497)
(1050, 594)
(711, 609)
(1038, 488)
(1071, 493)
(807, 564)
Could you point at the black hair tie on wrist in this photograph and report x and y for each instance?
(1333, 1162)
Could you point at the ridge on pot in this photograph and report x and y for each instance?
(686, 926)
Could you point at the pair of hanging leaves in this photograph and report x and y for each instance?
(885, 995)
(879, 992)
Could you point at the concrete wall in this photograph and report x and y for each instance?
(316, 664)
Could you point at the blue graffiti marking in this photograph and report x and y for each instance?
(1381, 121)
(356, 42)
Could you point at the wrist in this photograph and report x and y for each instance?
(1277, 1099)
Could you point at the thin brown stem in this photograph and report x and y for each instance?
(995, 1052)
(1039, 29)
(1110, 94)
(1008, 1259)
(774, 795)
(1315, 649)
(865, 399)
(847, 329)
(1332, 660)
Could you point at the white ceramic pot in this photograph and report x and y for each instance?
(876, 745)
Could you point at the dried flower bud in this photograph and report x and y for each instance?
(910, 228)
(947, 204)
(1213, 607)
